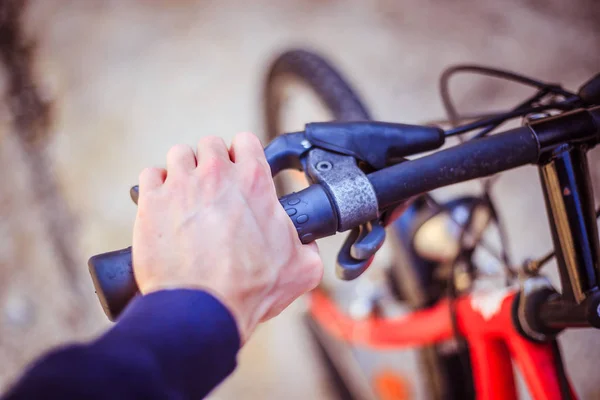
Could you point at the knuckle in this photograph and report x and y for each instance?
(255, 169)
(211, 141)
(148, 199)
(254, 176)
(176, 181)
(211, 167)
(247, 137)
(150, 175)
(246, 142)
(147, 172)
(179, 149)
(265, 166)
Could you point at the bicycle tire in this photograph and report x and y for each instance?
(336, 94)
(328, 84)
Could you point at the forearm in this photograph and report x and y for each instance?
(178, 344)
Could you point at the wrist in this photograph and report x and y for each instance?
(244, 328)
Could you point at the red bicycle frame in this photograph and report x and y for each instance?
(486, 323)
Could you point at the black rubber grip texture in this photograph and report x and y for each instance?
(310, 210)
(471, 160)
(112, 274)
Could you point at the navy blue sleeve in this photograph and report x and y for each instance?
(173, 344)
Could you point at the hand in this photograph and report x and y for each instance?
(212, 221)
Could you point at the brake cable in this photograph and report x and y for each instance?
(495, 121)
(492, 122)
(494, 73)
(521, 107)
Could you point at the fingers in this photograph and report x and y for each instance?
(213, 161)
(249, 155)
(181, 159)
(246, 147)
(151, 178)
(210, 147)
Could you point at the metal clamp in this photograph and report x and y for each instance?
(356, 204)
(349, 188)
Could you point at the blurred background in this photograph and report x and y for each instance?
(93, 91)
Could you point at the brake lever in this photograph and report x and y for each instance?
(360, 248)
(349, 267)
(287, 151)
(334, 171)
(341, 197)
(371, 239)
(379, 144)
(358, 251)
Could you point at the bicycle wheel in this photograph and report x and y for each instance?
(313, 72)
(334, 92)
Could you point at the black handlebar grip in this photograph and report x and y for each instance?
(112, 274)
(473, 159)
(310, 210)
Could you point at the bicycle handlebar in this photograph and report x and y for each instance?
(315, 216)
(483, 157)
(310, 210)
(471, 160)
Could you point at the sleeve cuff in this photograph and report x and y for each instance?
(192, 336)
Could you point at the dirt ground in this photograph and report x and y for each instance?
(124, 80)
